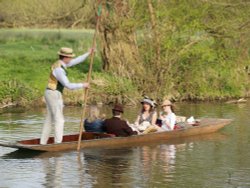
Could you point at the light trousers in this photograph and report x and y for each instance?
(54, 116)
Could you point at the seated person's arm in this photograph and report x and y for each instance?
(170, 124)
(154, 119)
(166, 125)
(172, 121)
(129, 130)
(137, 120)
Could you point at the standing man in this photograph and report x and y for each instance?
(53, 94)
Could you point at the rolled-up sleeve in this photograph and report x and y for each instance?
(78, 60)
(60, 75)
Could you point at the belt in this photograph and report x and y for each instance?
(51, 89)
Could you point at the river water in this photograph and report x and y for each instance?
(220, 159)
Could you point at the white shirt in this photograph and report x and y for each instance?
(61, 76)
(171, 120)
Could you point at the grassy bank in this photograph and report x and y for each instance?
(25, 59)
(200, 73)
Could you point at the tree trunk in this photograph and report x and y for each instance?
(155, 34)
(119, 46)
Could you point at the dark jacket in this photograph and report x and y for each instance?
(117, 127)
(95, 126)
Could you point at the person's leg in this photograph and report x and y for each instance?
(59, 119)
(49, 118)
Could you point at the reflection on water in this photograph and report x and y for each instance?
(215, 160)
(109, 166)
(151, 158)
(53, 170)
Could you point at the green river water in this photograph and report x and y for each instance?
(220, 159)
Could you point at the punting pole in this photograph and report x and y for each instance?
(81, 129)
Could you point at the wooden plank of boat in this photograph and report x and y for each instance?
(206, 125)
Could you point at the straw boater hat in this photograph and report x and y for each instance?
(118, 107)
(167, 103)
(66, 52)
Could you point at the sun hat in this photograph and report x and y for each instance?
(167, 103)
(148, 101)
(155, 103)
(66, 52)
(118, 107)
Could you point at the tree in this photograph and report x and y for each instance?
(118, 39)
(185, 50)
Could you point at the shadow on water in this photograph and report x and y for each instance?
(107, 154)
(21, 154)
(28, 154)
(12, 110)
(216, 136)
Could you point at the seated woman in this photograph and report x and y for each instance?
(168, 116)
(94, 123)
(147, 117)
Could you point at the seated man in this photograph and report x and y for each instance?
(117, 126)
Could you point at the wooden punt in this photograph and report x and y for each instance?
(91, 140)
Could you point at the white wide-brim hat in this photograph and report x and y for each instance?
(148, 101)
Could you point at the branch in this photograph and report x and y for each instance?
(7, 105)
(188, 46)
(68, 13)
(244, 25)
(77, 22)
(229, 4)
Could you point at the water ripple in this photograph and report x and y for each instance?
(216, 160)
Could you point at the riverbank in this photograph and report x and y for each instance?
(25, 59)
(26, 56)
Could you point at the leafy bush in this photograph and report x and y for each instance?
(14, 91)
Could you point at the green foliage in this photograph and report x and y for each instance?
(203, 51)
(117, 86)
(46, 13)
(15, 91)
(26, 56)
(109, 88)
(25, 59)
